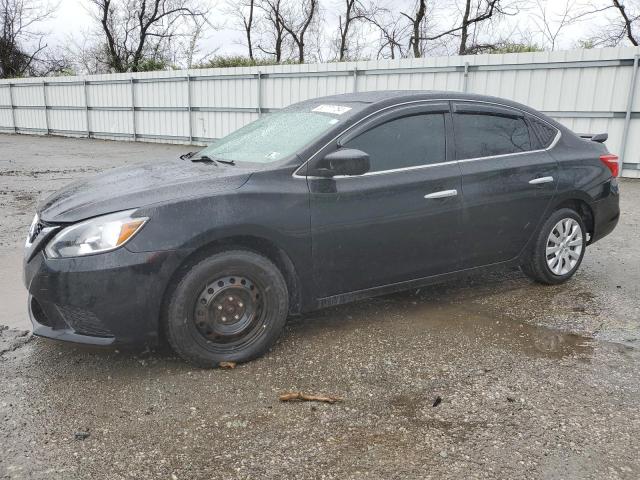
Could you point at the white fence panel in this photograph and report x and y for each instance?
(71, 122)
(62, 95)
(590, 91)
(28, 95)
(110, 123)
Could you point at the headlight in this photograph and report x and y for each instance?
(32, 231)
(97, 235)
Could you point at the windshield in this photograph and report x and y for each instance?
(270, 138)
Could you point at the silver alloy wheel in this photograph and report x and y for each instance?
(564, 246)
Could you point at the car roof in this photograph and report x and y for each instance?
(382, 95)
(370, 100)
(398, 96)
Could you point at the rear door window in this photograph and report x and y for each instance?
(484, 135)
(404, 142)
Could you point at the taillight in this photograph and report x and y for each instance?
(611, 161)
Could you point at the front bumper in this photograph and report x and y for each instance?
(102, 299)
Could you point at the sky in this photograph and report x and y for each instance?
(72, 18)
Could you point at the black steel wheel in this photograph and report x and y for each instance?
(229, 307)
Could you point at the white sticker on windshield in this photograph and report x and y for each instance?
(332, 109)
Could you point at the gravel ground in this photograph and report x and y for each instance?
(491, 377)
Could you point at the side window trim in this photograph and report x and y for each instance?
(396, 170)
(450, 139)
(480, 109)
(454, 108)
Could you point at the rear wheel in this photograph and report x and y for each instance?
(558, 248)
(229, 307)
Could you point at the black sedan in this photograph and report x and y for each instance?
(324, 202)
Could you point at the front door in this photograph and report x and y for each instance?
(398, 222)
(508, 179)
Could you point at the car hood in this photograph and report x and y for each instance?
(137, 186)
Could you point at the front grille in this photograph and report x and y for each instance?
(83, 322)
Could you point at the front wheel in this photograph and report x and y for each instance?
(230, 307)
(558, 248)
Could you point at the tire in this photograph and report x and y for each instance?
(565, 258)
(230, 307)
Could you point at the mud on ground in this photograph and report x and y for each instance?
(528, 381)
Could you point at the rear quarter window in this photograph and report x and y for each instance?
(543, 134)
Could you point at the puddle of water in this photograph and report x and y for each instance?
(499, 332)
(455, 323)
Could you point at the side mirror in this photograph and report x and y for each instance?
(346, 161)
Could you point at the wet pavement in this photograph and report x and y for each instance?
(533, 381)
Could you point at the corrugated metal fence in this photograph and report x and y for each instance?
(590, 91)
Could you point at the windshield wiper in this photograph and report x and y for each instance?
(204, 159)
(226, 162)
(208, 159)
(186, 156)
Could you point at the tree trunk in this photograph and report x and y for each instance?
(343, 37)
(249, 44)
(344, 30)
(464, 32)
(278, 46)
(248, 27)
(417, 22)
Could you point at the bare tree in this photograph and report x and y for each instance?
(629, 20)
(354, 11)
(393, 32)
(87, 54)
(22, 45)
(474, 13)
(620, 27)
(317, 41)
(417, 20)
(464, 31)
(245, 13)
(296, 21)
(274, 28)
(138, 31)
(413, 32)
(188, 52)
(551, 24)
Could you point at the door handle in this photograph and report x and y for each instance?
(541, 180)
(442, 194)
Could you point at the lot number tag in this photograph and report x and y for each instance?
(332, 109)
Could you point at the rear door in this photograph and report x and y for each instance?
(398, 222)
(508, 180)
